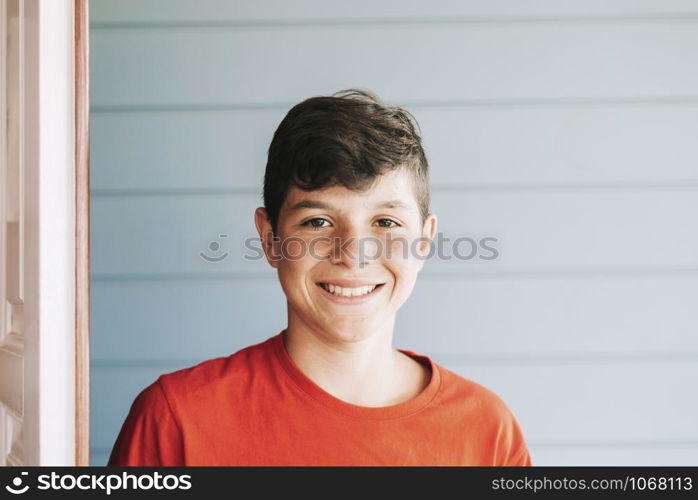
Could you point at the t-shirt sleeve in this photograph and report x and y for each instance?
(511, 447)
(150, 435)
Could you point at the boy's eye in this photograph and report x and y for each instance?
(312, 222)
(317, 222)
(390, 221)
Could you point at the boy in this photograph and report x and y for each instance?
(346, 192)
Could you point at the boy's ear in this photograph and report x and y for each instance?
(263, 224)
(427, 236)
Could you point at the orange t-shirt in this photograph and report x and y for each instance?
(256, 407)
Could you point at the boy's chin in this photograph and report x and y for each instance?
(351, 331)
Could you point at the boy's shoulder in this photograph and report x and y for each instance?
(224, 372)
(486, 412)
(464, 393)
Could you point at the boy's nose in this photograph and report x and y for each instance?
(354, 249)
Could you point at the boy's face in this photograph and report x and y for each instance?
(335, 234)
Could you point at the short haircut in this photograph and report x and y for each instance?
(347, 139)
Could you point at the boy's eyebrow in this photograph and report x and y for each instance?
(309, 203)
(394, 204)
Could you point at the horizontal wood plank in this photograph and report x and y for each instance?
(568, 145)
(644, 403)
(455, 63)
(108, 11)
(534, 231)
(615, 455)
(590, 320)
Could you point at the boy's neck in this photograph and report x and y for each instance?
(367, 372)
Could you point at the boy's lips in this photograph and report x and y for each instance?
(351, 300)
(349, 283)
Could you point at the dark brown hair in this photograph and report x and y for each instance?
(347, 139)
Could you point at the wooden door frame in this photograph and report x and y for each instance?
(82, 234)
(44, 339)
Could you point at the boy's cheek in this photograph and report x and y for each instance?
(319, 248)
(401, 248)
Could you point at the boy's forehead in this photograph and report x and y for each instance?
(392, 187)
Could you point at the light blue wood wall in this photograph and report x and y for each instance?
(565, 129)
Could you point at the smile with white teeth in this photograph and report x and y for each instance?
(348, 292)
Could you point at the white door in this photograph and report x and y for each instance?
(37, 266)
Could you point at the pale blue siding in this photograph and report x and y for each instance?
(564, 129)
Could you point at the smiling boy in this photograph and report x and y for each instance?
(346, 224)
